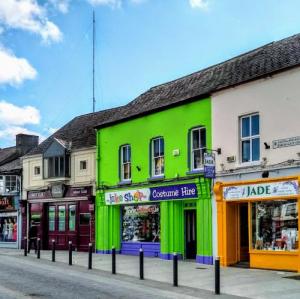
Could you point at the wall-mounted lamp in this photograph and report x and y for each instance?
(267, 146)
(138, 168)
(265, 174)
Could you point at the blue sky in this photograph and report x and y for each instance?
(46, 51)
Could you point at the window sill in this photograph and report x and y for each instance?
(156, 178)
(248, 164)
(196, 171)
(127, 182)
(54, 179)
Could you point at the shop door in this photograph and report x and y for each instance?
(62, 225)
(190, 234)
(243, 228)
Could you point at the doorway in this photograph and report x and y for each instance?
(244, 233)
(190, 234)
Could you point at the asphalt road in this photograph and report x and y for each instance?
(27, 277)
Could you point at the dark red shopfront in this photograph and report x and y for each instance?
(63, 214)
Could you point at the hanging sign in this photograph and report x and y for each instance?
(209, 166)
(264, 190)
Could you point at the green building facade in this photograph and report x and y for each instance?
(151, 192)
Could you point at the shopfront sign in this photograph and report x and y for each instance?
(183, 191)
(264, 190)
(128, 196)
(57, 190)
(6, 203)
(209, 166)
(286, 142)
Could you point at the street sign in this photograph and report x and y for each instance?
(209, 166)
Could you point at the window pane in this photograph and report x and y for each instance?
(246, 151)
(61, 218)
(124, 154)
(129, 153)
(161, 146)
(255, 125)
(56, 166)
(203, 138)
(245, 126)
(127, 170)
(197, 160)
(255, 149)
(159, 166)
(141, 223)
(61, 166)
(156, 147)
(51, 217)
(196, 139)
(275, 225)
(72, 217)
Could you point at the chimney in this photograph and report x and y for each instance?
(25, 143)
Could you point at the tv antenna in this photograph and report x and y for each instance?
(94, 100)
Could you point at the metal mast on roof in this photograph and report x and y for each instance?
(94, 100)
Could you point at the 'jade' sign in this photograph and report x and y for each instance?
(253, 191)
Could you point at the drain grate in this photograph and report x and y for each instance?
(200, 268)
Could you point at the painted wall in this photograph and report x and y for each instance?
(276, 99)
(174, 125)
(78, 177)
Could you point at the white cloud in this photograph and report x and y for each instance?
(14, 70)
(202, 4)
(61, 5)
(9, 133)
(11, 114)
(30, 16)
(112, 3)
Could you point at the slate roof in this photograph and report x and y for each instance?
(9, 160)
(77, 133)
(266, 60)
(13, 166)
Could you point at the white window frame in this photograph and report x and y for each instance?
(123, 164)
(4, 184)
(34, 170)
(153, 158)
(201, 148)
(81, 163)
(250, 137)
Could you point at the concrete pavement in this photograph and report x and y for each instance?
(250, 283)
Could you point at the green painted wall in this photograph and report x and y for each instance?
(172, 124)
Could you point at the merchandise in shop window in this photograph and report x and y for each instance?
(275, 225)
(8, 229)
(141, 223)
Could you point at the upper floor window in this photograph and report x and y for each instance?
(197, 148)
(157, 156)
(125, 160)
(249, 138)
(9, 183)
(56, 160)
(83, 165)
(37, 170)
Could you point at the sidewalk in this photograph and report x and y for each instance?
(249, 283)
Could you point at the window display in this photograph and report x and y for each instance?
(141, 223)
(275, 225)
(8, 228)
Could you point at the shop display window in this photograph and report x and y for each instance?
(61, 218)
(141, 223)
(72, 217)
(8, 228)
(275, 225)
(51, 217)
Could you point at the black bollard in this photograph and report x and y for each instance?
(141, 263)
(25, 246)
(70, 253)
(38, 248)
(217, 276)
(113, 260)
(90, 255)
(53, 250)
(175, 270)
